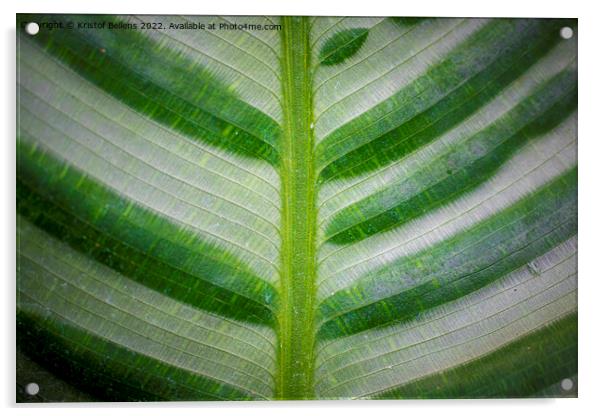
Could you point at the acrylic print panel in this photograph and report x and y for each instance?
(261, 208)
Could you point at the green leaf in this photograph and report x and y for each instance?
(322, 208)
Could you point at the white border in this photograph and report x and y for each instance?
(590, 196)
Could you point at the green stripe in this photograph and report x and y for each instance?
(520, 369)
(163, 84)
(457, 266)
(136, 242)
(135, 264)
(462, 168)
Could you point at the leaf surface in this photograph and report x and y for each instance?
(328, 208)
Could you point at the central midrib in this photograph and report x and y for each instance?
(296, 332)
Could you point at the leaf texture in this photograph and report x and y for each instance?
(323, 208)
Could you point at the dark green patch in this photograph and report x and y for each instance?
(109, 371)
(342, 45)
(520, 369)
(408, 21)
(53, 388)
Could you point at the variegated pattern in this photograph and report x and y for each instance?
(341, 208)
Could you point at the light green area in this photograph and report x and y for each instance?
(297, 294)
